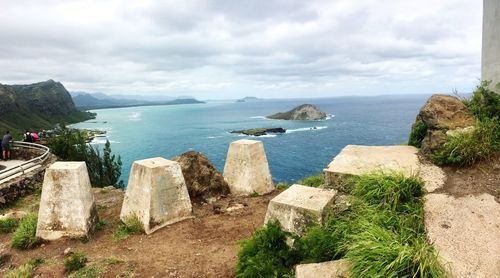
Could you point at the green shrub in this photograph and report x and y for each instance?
(131, 225)
(25, 270)
(101, 224)
(417, 134)
(25, 235)
(466, 148)
(266, 254)
(8, 225)
(75, 262)
(282, 186)
(313, 181)
(484, 103)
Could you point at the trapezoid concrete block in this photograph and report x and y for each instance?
(246, 170)
(156, 194)
(355, 160)
(300, 206)
(67, 207)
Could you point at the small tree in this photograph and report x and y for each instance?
(71, 145)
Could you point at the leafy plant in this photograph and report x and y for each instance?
(75, 262)
(417, 134)
(313, 181)
(8, 225)
(25, 235)
(266, 254)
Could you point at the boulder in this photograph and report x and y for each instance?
(332, 269)
(246, 169)
(440, 114)
(67, 207)
(299, 207)
(156, 194)
(203, 180)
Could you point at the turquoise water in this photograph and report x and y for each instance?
(143, 132)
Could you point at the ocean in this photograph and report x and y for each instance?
(305, 149)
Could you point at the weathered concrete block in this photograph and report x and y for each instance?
(156, 194)
(358, 160)
(67, 207)
(332, 269)
(299, 207)
(246, 170)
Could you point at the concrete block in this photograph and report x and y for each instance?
(67, 207)
(357, 160)
(156, 194)
(332, 269)
(299, 207)
(246, 170)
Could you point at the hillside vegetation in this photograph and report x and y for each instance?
(37, 106)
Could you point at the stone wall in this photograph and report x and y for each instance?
(490, 64)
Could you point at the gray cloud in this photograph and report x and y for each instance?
(222, 49)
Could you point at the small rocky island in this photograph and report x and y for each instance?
(259, 131)
(304, 112)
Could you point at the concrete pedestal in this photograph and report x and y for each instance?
(358, 160)
(246, 170)
(67, 207)
(156, 194)
(299, 207)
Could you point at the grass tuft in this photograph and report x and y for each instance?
(25, 235)
(8, 225)
(466, 148)
(131, 225)
(87, 272)
(312, 181)
(75, 262)
(25, 270)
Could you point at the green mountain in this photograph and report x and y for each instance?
(37, 106)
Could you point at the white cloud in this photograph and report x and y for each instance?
(222, 49)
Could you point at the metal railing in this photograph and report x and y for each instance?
(31, 163)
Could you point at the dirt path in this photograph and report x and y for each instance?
(462, 218)
(201, 247)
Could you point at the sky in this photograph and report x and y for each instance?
(235, 48)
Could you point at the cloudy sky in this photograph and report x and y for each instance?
(233, 48)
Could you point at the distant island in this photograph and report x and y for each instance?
(259, 131)
(37, 106)
(86, 101)
(248, 99)
(304, 112)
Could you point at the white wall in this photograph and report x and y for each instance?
(490, 64)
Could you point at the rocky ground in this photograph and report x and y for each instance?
(205, 246)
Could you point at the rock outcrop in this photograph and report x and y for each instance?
(260, 131)
(304, 112)
(440, 114)
(203, 180)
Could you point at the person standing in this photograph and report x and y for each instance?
(7, 138)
